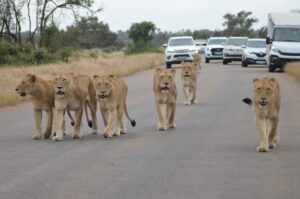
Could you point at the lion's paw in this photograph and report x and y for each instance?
(36, 137)
(57, 139)
(76, 136)
(172, 126)
(262, 149)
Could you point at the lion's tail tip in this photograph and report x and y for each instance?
(247, 101)
(133, 123)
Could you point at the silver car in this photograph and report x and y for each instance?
(255, 52)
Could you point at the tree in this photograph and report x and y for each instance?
(239, 24)
(142, 32)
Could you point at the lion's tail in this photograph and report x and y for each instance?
(248, 101)
(132, 121)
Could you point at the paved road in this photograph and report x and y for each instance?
(210, 155)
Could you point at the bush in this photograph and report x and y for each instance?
(41, 55)
(141, 47)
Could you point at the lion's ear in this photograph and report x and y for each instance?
(157, 70)
(95, 77)
(31, 78)
(173, 72)
(273, 79)
(255, 80)
(110, 77)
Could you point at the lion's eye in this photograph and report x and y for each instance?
(106, 84)
(23, 82)
(65, 80)
(268, 89)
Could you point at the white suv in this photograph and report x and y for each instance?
(179, 49)
(255, 52)
(214, 49)
(233, 49)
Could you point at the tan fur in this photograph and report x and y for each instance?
(189, 82)
(165, 92)
(42, 97)
(266, 106)
(72, 93)
(197, 61)
(112, 93)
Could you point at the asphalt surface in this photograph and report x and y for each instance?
(210, 155)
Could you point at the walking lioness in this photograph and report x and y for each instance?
(189, 82)
(112, 93)
(266, 103)
(165, 92)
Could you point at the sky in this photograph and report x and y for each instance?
(174, 15)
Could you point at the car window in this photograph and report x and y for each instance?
(181, 42)
(236, 41)
(256, 44)
(216, 41)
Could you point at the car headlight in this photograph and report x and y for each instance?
(209, 49)
(193, 51)
(274, 49)
(170, 51)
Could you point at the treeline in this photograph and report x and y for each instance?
(44, 42)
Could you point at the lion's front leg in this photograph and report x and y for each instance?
(59, 118)
(186, 91)
(120, 124)
(48, 130)
(171, 115)
(38, 121)
(161, 112)
(77, 127)
(104, 114)
(108, 131)
(273, 134)
(194, 90)
(262, 132)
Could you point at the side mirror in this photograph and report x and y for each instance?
(164, 45)
(269, 40)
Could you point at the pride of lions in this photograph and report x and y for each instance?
(78, 93)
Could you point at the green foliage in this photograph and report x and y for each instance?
(65, 54)
(141, 47)
(50, 38)
(41, 55)
(239, 24)
(142, 32)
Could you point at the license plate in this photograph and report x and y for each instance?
(260, 62)
(181, 58)
(218, 53)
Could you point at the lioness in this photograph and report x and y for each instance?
(42, 97)
(197, 61)
(189, 82)
(266, 103)
(112, 93)
(72, 92)
(165, 92)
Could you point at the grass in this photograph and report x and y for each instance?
(86, 62)
(293, 69)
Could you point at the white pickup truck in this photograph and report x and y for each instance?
(283, 39)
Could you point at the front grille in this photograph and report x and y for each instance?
(182, 51)
(260, 54)
(289, 54)
(217, 51)
(183, 55)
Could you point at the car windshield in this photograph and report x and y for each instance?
(181, 42)
(256, 44)
(216, 41)
(287, 34)
(236, 41)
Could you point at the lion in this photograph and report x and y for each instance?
(197, 61)
(266, 104)
(112, 93)
(165, 92)
(73, 93)
(42, 97)
(189, 82)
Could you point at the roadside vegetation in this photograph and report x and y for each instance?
(88, 62)
(293, 69)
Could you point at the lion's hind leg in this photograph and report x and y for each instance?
(273, 134)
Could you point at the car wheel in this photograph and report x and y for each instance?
(225, 62)
(206, 60)
(244, 64)
(169, 65)
(272, 68)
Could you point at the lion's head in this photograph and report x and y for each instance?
(26, 85)
(264, 90)
(61, 83)
(104, 85)
(188, 70)
(164, 79)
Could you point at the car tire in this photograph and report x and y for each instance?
(169, 65)
(244, 64)
(206, 60)
(225, 62)
(272, 68)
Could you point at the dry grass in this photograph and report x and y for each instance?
(88, 62)
(293, 69)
